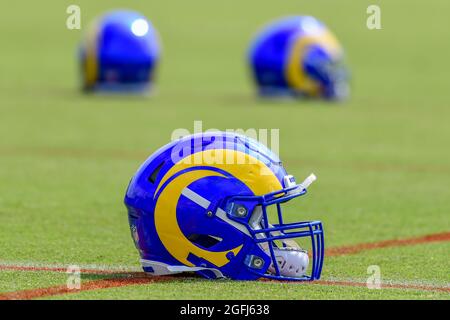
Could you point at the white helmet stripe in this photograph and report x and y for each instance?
(204, 203)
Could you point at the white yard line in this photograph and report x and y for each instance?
(58, 266)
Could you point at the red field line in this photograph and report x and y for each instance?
(136, 278)
(142, 279)
(352, 249)
(332, 252)
(90, 285)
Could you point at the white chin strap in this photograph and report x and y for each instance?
(291, 262)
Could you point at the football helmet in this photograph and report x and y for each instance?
(119, 53)
(298, 57)
(201, 203)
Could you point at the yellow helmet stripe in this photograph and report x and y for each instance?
(253, 172)
(295, 73)
(91, 45)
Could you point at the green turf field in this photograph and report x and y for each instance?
(382, 158)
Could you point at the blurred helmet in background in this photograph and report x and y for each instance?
(202, 204)
(298, 57)
(119, 53)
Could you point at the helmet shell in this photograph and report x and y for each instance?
(214, 242)
(298, 56)
(119, 53)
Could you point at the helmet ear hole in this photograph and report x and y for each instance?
(204, 240)
(154, 174)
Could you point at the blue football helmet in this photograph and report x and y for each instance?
(298, 57)
(201, 203)
(119, 53)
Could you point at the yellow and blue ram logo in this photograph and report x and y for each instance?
(175, 184)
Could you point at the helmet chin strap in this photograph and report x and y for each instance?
(291, 262)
